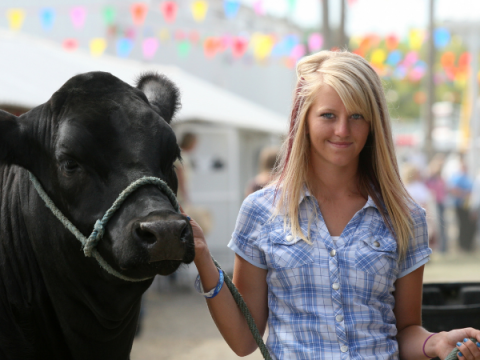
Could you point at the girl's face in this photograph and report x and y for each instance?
(336, 136)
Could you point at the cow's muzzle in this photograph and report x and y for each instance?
(164, 239)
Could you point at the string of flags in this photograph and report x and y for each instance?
(390, 56)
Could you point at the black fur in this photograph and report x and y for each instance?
(86, 144)
(162, 93)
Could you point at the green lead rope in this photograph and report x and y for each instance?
(454, 353)
(90, 243)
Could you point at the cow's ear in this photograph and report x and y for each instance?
(10, 138)
(162, 94)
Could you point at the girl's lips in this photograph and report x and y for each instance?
(341, 144)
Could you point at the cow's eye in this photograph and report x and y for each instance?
(70, 166)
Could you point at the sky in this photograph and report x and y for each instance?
(377, 16)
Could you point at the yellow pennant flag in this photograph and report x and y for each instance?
(378, 57)
(15, 18)
(262, 45)
(415, 39)
(97, 46)
(199, 10)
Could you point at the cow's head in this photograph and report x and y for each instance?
(94, 137)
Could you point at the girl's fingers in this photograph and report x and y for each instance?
(468, 349)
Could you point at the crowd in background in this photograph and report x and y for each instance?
(443, 185)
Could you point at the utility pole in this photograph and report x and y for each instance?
(327, 41)
(342, 42)
(430, 84)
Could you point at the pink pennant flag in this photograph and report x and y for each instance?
(150, 46)
(259, 7)
(78, 15)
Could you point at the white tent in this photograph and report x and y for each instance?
(231, 130)
(32, 69)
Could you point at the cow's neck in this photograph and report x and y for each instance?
(95, 314)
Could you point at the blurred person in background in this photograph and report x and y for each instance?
(267, 161)
(475, 202)
(184, 167)
(438, 187)
(332, 254)
(421, 194)
(460, 189)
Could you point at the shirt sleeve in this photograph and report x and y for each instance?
(418, 252)
(248, 232)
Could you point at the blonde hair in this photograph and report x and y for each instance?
(361, 91)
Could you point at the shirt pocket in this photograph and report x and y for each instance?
(376, 255)
(285, 253)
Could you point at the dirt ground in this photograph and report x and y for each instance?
(177, 324)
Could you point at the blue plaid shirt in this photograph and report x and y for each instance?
(328, 300)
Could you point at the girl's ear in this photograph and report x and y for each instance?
(10, 138)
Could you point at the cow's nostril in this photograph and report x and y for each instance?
(184, 234)
(145, 235)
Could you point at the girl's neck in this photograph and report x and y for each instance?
(333, 182)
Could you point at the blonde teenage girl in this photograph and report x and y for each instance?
(331, 254)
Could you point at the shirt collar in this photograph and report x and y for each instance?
(306, 193)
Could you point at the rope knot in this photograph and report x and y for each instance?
(94, 238)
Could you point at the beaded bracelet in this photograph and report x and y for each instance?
(212, 293)
(425, 343)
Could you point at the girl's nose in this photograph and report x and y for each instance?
(342, 128)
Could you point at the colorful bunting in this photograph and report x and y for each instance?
(169, 10)
(441, 37)
(164, 35)
(149, 47)
(124, 47)
(394, 58)
(262, 45)
(315, 42)
(239, 46)
(231, 8)
(291, 5)
(97, 46)
(108, 14)
(378, 57)
(199, 10)
(15, 18)
(78, 15)
(47, 18)
(210, 47)
(258, 7)
(415, 39)
(183, 48)
(298, 52)
(70, 44)
(391, 41)
(139, 13)
(194, 37)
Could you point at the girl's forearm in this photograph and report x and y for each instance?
(224, 311)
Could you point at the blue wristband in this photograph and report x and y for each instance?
(212, 293)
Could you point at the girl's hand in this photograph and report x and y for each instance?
(201, 247)
(468, 350)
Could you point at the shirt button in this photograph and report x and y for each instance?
(344, 348)
(333, 253)
(289, 237)
(376, 244)
(339, 318)
(336, 286)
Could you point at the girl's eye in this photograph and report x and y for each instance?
(327, 115)
(357, 116)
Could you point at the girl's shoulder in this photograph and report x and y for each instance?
(260, 204)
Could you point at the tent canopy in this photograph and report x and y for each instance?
(32, 69)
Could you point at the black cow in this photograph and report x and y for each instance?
(94, 137)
